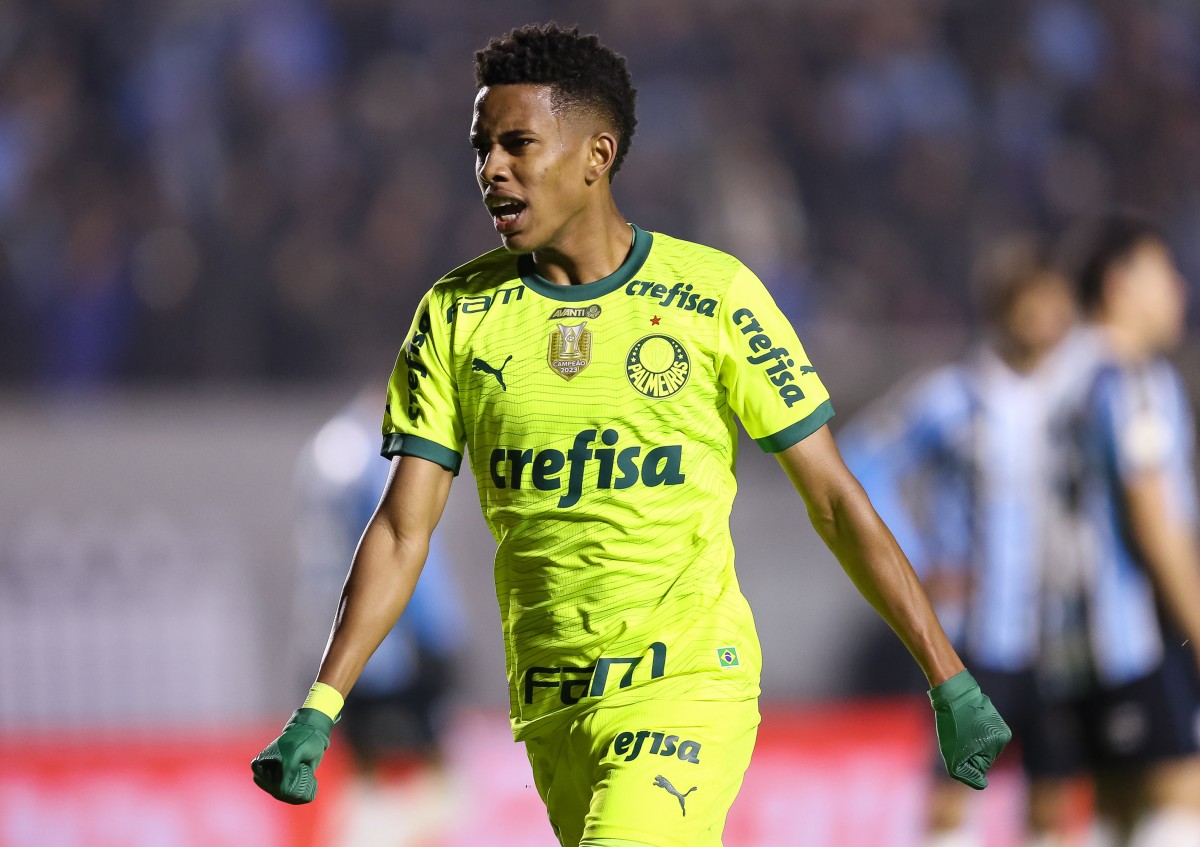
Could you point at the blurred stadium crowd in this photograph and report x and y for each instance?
(237, 191)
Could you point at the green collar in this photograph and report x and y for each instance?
(638, 252)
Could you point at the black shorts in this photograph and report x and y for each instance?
(1048, 733)
(1153, 718)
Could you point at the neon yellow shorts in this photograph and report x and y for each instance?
(663, 773)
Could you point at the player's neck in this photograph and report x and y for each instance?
(1125, 342)
(589, 247)
(1022, 360)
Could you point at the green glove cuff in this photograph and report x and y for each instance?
(953, 688)
(311, 717)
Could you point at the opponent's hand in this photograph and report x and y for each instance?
(285, 769)
(970, 731)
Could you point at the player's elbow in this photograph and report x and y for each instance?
(841, 513)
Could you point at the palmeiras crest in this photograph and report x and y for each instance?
(570, 349)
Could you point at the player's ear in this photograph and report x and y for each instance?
(601, 152)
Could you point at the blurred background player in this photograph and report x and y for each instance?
(398, 710)
(959, 463)
(1143, 591)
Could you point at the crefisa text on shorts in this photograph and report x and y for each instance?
(630, 744)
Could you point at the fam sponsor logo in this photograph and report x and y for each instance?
(590, 312)
(518, 467)
(575, 683)
(631, 744)
(679, 295)
(479, 303)
(777, 361)
(657, 366)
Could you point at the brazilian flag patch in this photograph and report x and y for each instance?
(727, 656)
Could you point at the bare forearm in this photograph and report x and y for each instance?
(381, 581)
(879, 569)
(844, 518)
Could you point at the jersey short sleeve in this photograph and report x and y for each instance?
(769, 382)
(422, 417)
(1133, 423)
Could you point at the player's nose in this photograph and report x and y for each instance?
(492, 167)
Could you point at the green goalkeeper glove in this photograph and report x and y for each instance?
(970, 731)
(285, 768)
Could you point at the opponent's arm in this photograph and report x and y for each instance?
(970, 732)
(382, 578)
(1169, 551)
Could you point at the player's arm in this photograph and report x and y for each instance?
(970, 732)
(843, 516)
(385, 568)
(382, 577)
(1168, 550)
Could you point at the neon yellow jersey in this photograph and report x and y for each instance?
(599, 422)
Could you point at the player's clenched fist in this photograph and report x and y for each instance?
(285, 768)
(970, 731)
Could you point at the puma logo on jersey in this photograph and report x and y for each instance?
(665, 784)
(777, 359)
(481, 365)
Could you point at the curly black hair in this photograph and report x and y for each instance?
(582, 72)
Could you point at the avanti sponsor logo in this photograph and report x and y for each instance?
(777, 360)
(591, 312)
(679, 295)
(517, 467)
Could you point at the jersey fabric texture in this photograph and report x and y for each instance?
(599, 424)
(657, 772)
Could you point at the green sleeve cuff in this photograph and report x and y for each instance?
(953, 688)
(798, 431)
(399, 444)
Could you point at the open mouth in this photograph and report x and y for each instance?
(506, 213)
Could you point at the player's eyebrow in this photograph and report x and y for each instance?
(479, 138)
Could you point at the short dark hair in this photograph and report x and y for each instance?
(1099, 244)
(582, 72)
(1006, 269)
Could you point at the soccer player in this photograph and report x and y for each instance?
(1144, 589)
(960, 464)
(592, 370)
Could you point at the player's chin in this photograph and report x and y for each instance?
(519, 241)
